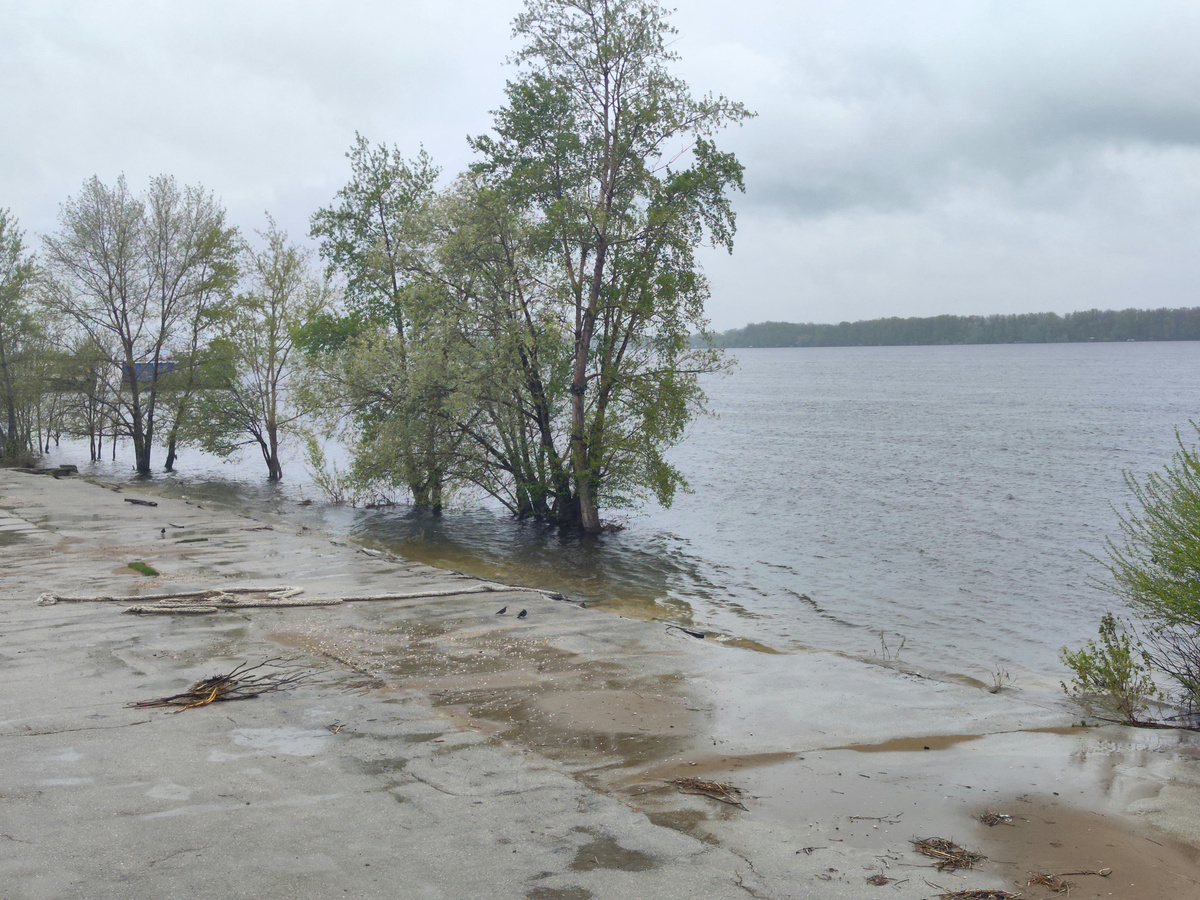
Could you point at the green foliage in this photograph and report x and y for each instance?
(143, 568)
(1026, 328)
(247, 365)
(20, 343)
(135, 275)
(1111, 676)
(526, 330)
(1154, 566)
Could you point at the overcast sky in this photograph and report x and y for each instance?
(909, 158)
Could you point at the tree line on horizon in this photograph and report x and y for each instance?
(1181, 324)
(523, 330)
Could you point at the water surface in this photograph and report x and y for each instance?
(935, 502)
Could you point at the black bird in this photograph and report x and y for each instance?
(502, 610)
(522, 614)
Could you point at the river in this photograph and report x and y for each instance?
(935, 503)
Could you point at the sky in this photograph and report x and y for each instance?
(907, 159)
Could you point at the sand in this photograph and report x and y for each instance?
(446, 751)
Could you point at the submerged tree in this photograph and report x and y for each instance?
(130, 272)
(379, 360)
(611, 155)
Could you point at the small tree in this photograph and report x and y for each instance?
(131, 272)
(1154, 566)
(18, 332)
(242, 396)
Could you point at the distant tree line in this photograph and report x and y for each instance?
(1027, 328)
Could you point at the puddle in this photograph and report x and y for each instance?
(570, 893)
(605, 853)
(908, 745)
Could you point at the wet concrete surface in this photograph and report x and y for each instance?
(446, 751)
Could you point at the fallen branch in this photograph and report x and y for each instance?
(717, 790)
(240, 684)
(215, 599)
(887, 820)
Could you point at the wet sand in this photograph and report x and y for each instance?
(482, 753)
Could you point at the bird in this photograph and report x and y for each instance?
(522, 614)
(502, 610)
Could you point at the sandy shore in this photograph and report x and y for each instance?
(445, 751)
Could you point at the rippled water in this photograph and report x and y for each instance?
(938, 499)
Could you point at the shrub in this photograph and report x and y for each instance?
(1154, 567)
(1112, 675)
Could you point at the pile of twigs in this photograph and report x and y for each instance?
(717, 790)
(243, 683)
(985, 894)
(1056, 884)
(948, 854)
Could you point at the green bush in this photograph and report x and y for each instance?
(1112, 675)
(1154, 567)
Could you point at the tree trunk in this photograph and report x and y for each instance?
(589, 514)
(170, 465)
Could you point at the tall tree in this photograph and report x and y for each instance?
(17, 330)
(608, 150)
(131, 271)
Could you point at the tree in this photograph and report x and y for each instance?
(247, 367)
(383, 366)
(1154, 566)
(131, 272)
(612, 156)
(528, 329)
(18, 331)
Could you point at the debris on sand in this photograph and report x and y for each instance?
(990, 818)
(717, 790)
(1053, 882)
(878, 880)
(948, 854)
(985, 894)
(243, 683)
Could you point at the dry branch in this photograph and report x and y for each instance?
(243, 683)
(717, 790)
